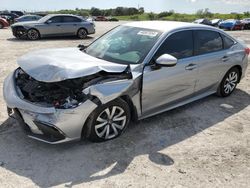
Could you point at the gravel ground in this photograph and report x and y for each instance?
(203, 144)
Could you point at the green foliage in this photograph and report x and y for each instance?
(152, 16)
(130, 13)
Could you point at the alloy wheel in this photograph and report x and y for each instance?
(110, 122)
(230, 82)
(33, 34)
(82, 33)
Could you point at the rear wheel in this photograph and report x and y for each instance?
(82, 33)
(108, 121)
(229, 82)
(33, 34)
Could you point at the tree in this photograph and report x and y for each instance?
(141, 10)
(95, 11)
(151, 16)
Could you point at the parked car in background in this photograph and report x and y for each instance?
(203, 21)
(135, 71)
(215, 22)
(54, 25)
(3, 23)
(11, 16)
(19, 13)
(101, 18)
(231, 24)
(246, 23)
(112, 19)
(26, 18)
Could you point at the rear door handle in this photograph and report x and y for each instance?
(191, 66)
(225, 58)
(58, 25)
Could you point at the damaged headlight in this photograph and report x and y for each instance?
(65, 94)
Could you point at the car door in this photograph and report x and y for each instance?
(210, 57)
(163, 86)
(70, 25)
(52, 27)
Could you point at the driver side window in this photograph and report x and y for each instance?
(56, 19)
(180, 45)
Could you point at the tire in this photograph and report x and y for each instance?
(33, 34)
(229, 82)
(82, 33)
(100, 127)
(1, 26)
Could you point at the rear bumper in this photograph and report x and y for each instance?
(46, 124)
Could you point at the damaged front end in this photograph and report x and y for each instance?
(55, 112)
(19, 31)
(64, 94)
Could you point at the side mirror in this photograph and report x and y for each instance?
(166, 60)
(81, 46)
(48, 21)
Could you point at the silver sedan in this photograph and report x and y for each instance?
(54, 25)
(134, 71)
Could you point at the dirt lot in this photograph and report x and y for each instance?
(203, 144)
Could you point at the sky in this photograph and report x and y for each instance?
(182, 6)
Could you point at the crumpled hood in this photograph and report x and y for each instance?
(26, 23)
(53, 65)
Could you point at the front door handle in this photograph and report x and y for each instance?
(58, 25)
(191, 66)
(225, 58)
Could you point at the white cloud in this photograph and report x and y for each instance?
(233, 2)
(192, 1)
(236, 2)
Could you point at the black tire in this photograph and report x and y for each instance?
(33, 34)
(1, 26)
(94, 128)
(82, 33)
(229, 82)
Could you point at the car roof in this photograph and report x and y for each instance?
(165, 26)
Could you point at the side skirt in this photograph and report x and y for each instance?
(175, 104)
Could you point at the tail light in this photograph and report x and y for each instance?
(247, 51)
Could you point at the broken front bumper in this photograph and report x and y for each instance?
(46, 124)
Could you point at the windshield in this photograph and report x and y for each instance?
(44, 19)
(124, 44)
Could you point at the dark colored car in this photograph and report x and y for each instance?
(203, 21)
(3, 23)
(11, 16)
(246, 23)
(19, 13)
(101, 18)
(231, 24)
(215, 22)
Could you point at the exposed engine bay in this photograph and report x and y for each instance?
(64, 94)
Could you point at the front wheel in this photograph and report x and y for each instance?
(229, 82)
(108, 121)
(33, 34)
(1, 26)
(82, 33)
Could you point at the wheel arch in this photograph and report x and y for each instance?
(36, 30)
(133, 114)
(84, 29)
(240, 70)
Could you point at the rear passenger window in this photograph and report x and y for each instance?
(70, 19)
(228, 43)
(179, 45)
(207, 42)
